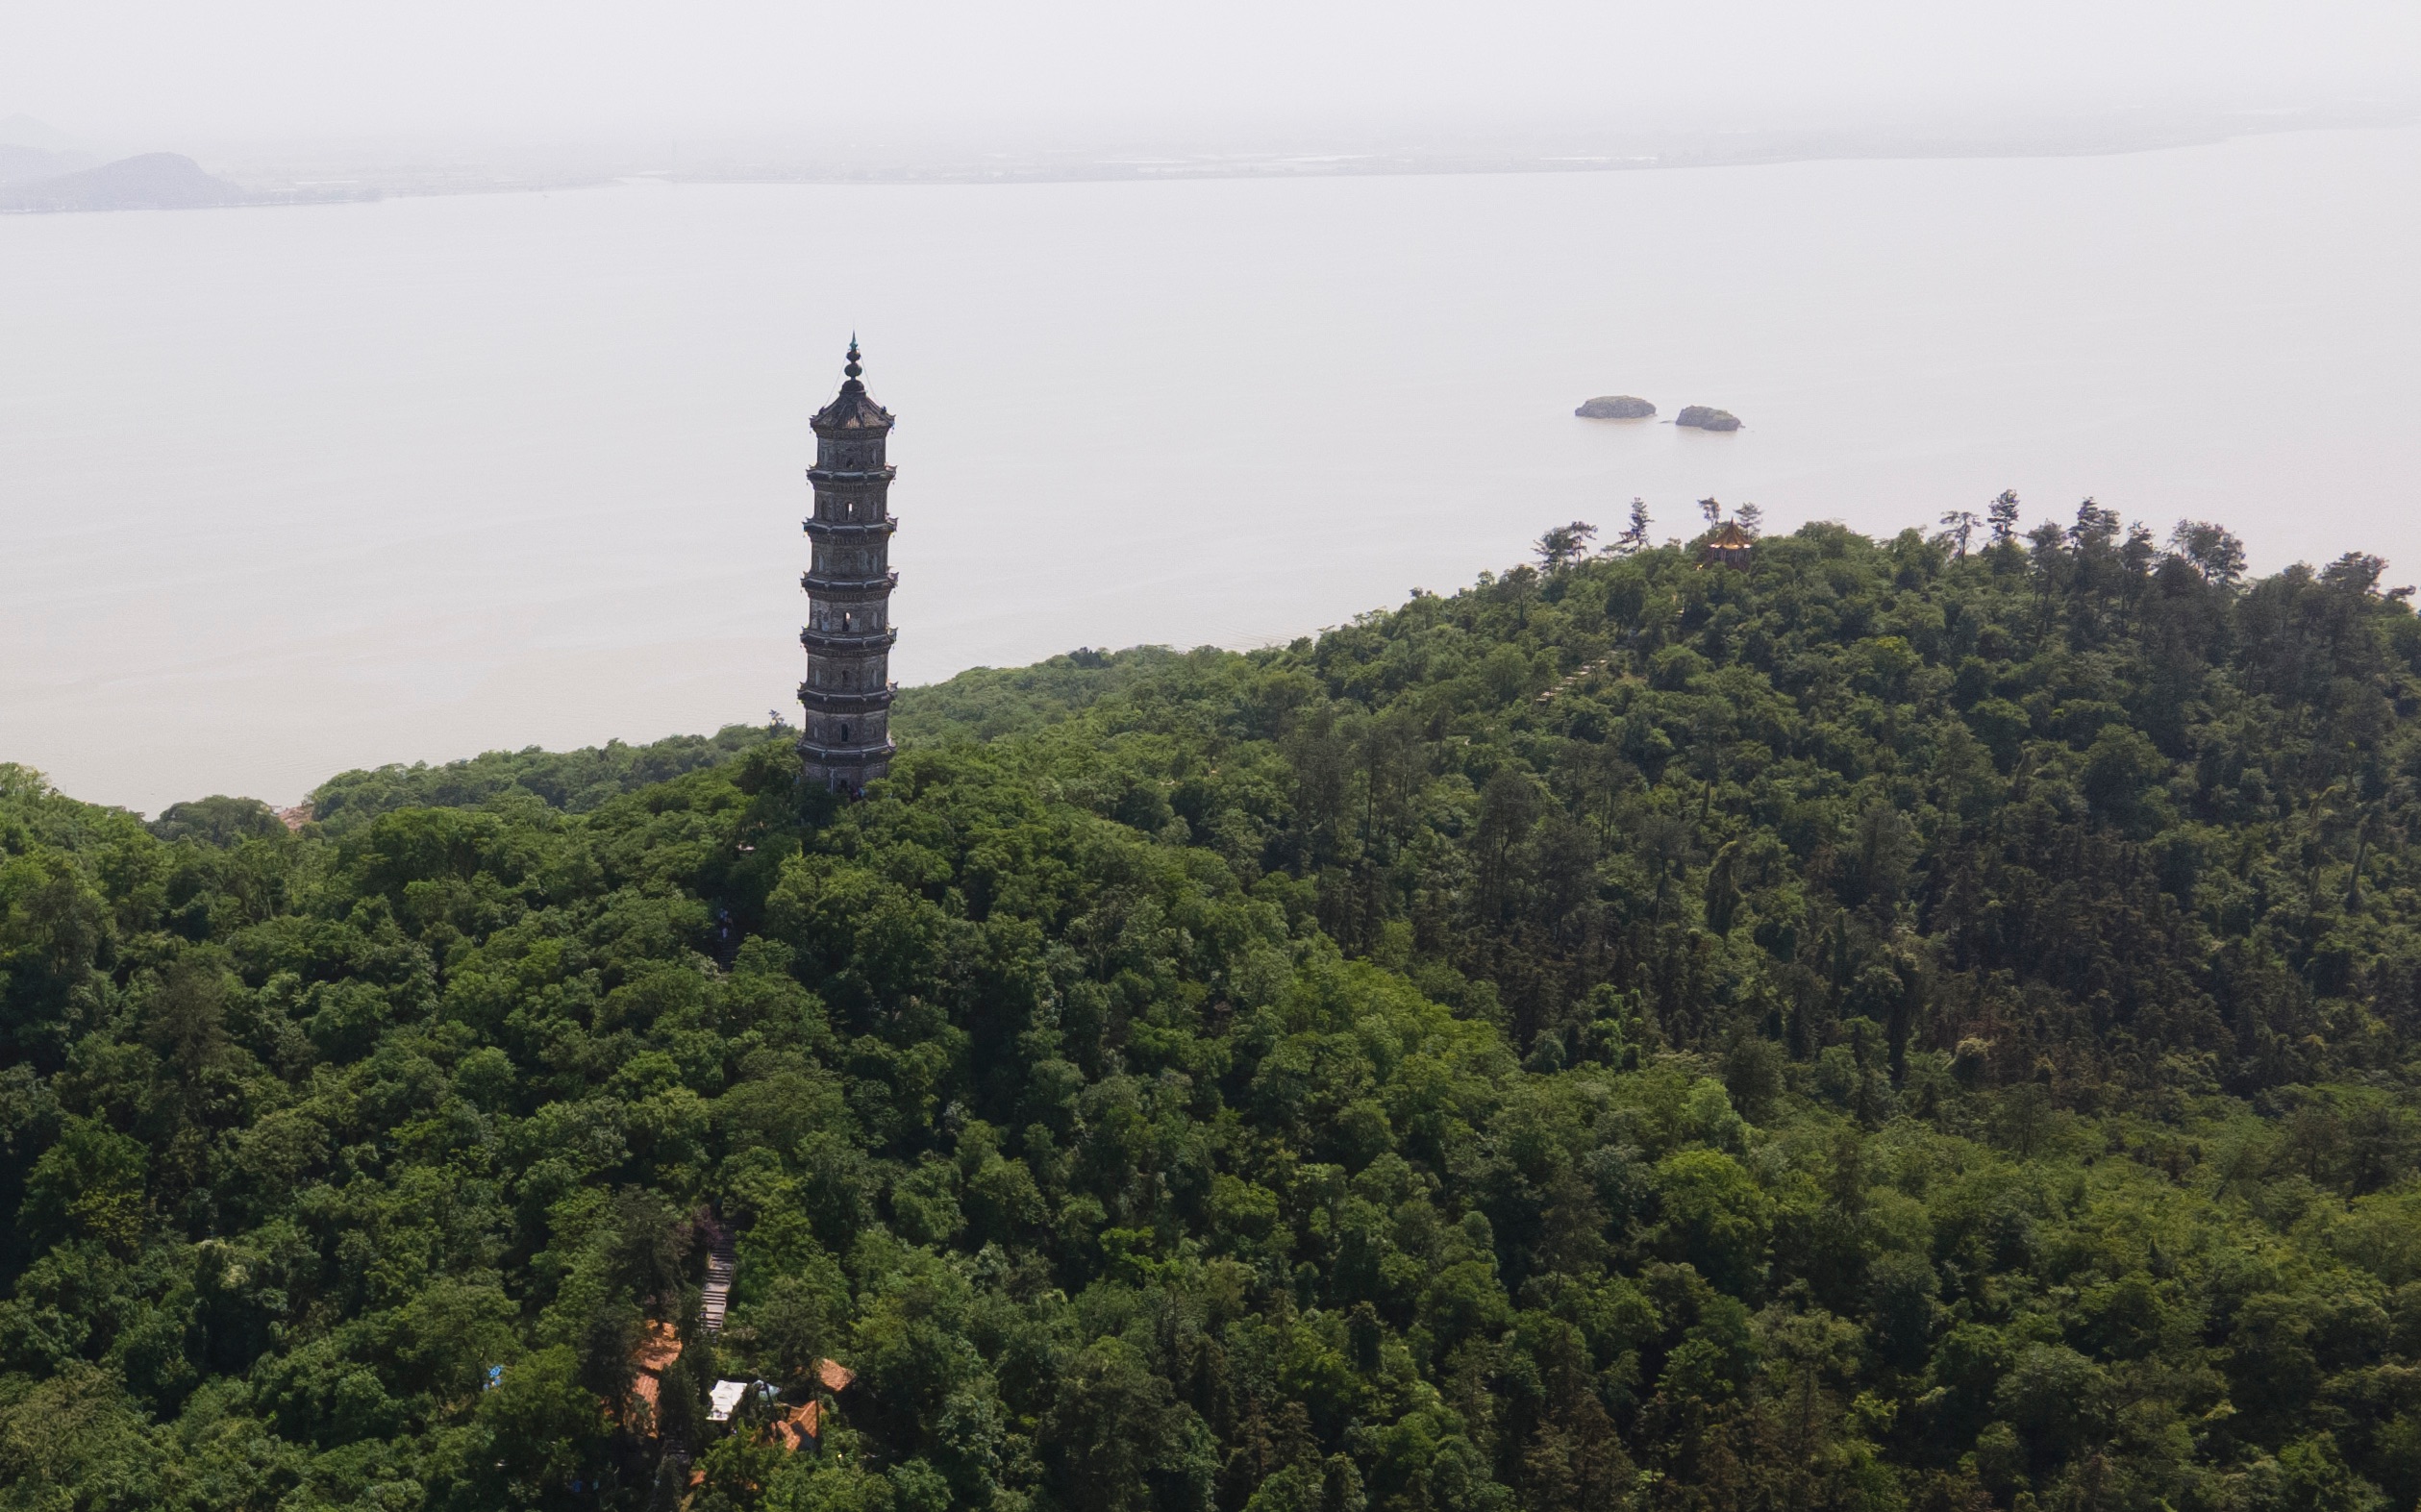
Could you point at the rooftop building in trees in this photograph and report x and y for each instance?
(1727, 545)
(846, 741)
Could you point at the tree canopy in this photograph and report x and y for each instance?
(1913, 1023)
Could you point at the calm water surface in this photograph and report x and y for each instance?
(290, 491)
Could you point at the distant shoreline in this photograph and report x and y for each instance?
(267, 186)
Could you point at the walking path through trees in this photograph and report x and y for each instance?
(720, 1263)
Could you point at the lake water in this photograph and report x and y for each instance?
(286, 492)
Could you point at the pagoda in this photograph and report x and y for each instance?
(1727, 545)
(846, 741)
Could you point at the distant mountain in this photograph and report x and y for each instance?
(153, 180)
(20, 164)
(24, 130)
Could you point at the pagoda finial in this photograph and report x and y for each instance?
(852, 369)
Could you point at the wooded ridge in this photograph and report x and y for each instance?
(1918, 1024)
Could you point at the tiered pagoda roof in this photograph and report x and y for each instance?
(852, 410)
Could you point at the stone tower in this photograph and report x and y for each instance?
(847, 738)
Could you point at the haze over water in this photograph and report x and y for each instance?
(292, 491)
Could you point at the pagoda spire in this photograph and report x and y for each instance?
(846, 740)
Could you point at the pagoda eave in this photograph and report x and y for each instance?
(828, 529)
(846, 700)
(846, 642)
(849, 588)
(847, 755)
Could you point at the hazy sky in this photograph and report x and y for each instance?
(158, 72)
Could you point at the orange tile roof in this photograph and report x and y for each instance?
(834, 1375)
(659, 1346)
(798, 1428)
(657, 1349)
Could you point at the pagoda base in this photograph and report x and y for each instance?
(845, 769)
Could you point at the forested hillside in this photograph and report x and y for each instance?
(1927, 1024)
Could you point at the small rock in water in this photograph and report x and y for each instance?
(1706, 418)
(1615, 407)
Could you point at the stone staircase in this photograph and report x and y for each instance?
(1573, 678)
(720, 1262)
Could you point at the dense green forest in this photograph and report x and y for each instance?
(1927, 1024)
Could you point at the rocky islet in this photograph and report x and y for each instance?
(1627, 407)
(1615, 407)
